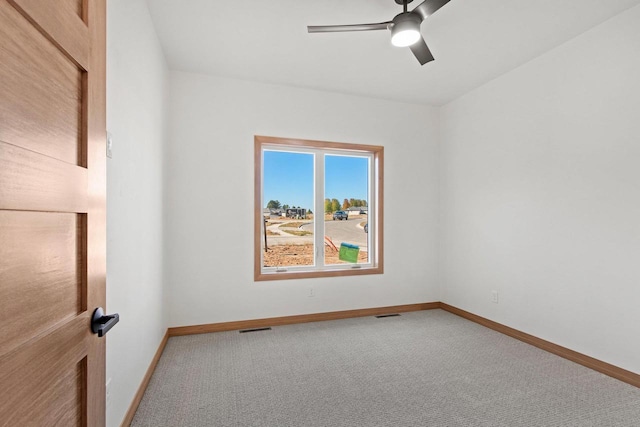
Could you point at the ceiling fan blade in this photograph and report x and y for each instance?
(428, 7)
(421, 51)
(344, 28)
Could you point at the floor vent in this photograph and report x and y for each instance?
(255, 330)
(387, 315)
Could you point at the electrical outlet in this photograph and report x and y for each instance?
(311, 293)
(494, 297)
(108, 392)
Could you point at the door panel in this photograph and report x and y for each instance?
(60, 404)
(40, 376)
(63, 22)
(41, 102)
(43, 269)
(52, 211)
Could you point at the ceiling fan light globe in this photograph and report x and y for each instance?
(405, 38)
(405, 30)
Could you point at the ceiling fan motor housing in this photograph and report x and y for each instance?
(405, 29)
(407, 18)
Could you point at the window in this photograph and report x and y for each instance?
(318, 209)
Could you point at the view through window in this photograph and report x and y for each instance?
(319, 209)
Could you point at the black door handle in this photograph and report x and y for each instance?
(101, 323)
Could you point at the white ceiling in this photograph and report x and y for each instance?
(473, 41)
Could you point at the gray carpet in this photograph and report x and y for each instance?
(428, 368)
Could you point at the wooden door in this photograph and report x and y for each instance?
(52, 211)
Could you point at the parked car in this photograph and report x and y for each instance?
(340, 215)
(366, 228)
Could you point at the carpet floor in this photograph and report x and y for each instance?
(427, 368)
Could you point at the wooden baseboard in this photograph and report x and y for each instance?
(303, 318)
(582, 359)
(145, 382)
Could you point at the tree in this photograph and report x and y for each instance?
(285, 207)
(335, 205)
(273, 204)
(345, 204)
(327, 206)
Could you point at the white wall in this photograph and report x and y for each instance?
(136, 91)
(209, 240)
(541, 195)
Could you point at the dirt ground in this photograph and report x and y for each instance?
(282, 255)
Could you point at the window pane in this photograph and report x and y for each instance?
(293, 178)
(346, 206)
(288, 190)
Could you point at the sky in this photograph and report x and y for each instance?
(288, 178)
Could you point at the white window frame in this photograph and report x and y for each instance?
(319, 149)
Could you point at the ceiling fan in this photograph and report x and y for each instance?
(405, 27)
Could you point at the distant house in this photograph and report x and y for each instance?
(272, 213)
(296, 213)
(357, 210)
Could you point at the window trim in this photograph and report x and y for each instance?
(376, 265)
